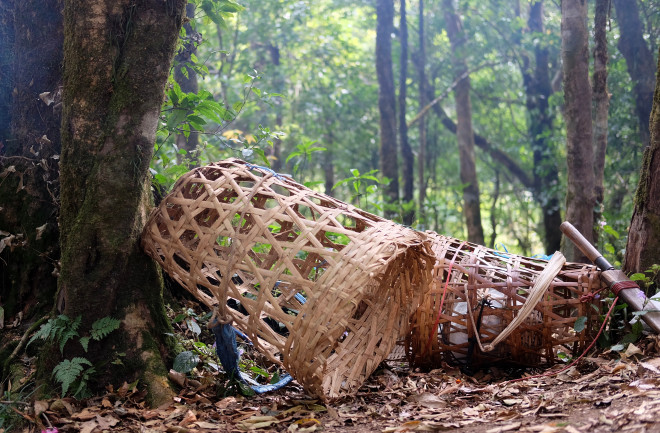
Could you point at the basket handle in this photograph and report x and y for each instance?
(540, 287)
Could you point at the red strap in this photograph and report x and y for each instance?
(621, 285)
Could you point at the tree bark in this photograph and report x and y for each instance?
(580, 199)
(186, 77)
(406, 151)
(601, 104)
(536, 80)
(386, 105)
(643, 248)
(31, 60)
(464, 132)
(421, 163)
(117, 56)
(639, 60)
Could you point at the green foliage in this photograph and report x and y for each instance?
(78, 370)
(359, 180)
(185, 361)
(218, 11)
(13, 402)
(60, 330)
(69, 371)
(580, 324)
(104, 326)
(303, 155)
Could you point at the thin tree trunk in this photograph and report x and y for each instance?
(421, 163)
(406, 152)
(639, 60)
(643, 248)
(386, 104)
(328, 162)
(577, 113)
(186, 77)
(536, 80)
(601, 102)
(464, 133)
(113, 91)
(276, 151)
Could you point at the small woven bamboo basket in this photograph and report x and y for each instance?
(477, 292)
(319, 286)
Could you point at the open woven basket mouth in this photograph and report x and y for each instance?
(477, 292)
(319, 286)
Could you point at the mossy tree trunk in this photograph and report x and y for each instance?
(30, 67)
(643, 249)
(117, 56)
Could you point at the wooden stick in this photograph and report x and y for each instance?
(615, 279)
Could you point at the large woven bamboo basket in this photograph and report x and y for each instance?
(477, 292)
(319, 286)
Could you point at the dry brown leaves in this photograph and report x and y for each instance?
(605, 394)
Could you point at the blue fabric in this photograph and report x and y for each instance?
(227, 350)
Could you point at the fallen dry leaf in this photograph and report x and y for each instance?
(428, 400)
(88, 426)
(505, 428)
(105, 422)
(84, 415)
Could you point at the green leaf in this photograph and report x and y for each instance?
(292, 155)
(104, 326)
(313, 183)
(638, 277)
(185, 362)
(230, 6)
(196, 119)
(609, 230)
(262, 156)
(43, 332)
(193, 326)
(618, 347)
(580, 324)
(68, 332)
(609, 248)
(67, 371)
(84, 341)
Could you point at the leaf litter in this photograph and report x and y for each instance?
(608, 393)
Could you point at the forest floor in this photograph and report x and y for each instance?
(608, 392)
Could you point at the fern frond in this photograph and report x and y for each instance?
(66, 336)
(67, 371)
(104, 326)
(43, 332)
(84, 342)
(64, 324)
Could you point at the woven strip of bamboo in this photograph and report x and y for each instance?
(492, 286)
(319, 286)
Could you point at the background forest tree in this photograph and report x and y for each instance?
(302, 87)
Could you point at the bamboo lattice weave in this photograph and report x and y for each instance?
(321, 287)
(491, 287)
